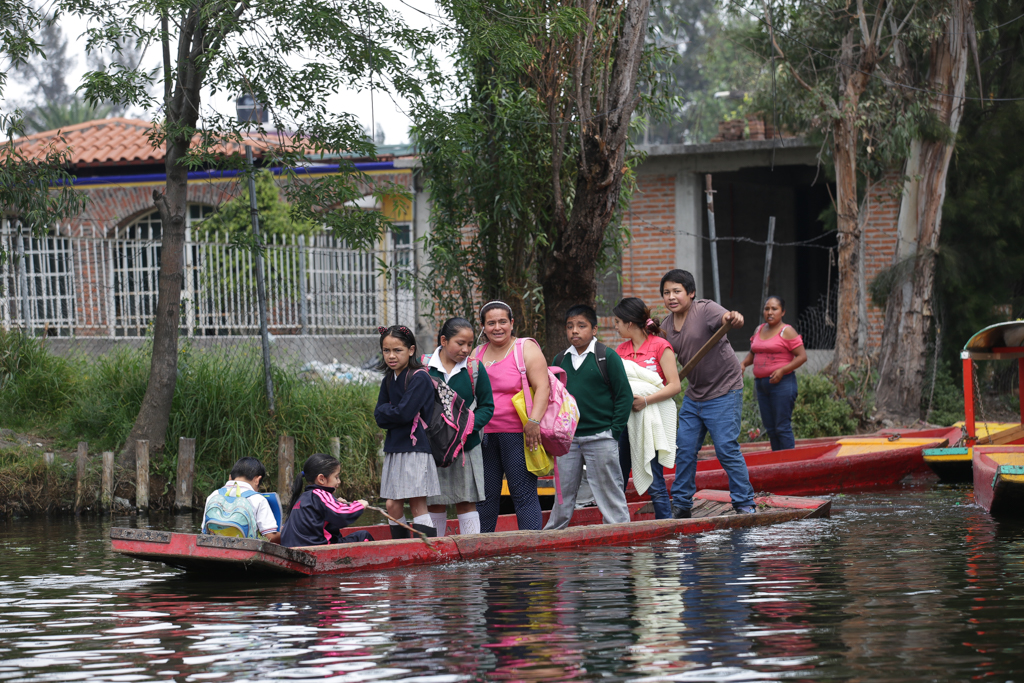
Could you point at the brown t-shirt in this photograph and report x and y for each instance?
(717, 373)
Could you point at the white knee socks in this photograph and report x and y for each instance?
(403, 520)
(440, 520)
(469, 523)
(425, 520)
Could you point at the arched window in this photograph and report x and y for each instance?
(136, 256)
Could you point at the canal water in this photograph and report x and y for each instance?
(911, 584)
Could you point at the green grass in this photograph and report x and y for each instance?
(219, 401)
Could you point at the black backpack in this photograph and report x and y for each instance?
(451, 422)
(600, 355)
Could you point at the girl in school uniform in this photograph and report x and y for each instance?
(317, 517)
(645, 346)
(404, 407)
(462, 483)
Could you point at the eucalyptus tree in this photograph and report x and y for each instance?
(909, 309)
(839, 71)
(527, 162)
(291, 55)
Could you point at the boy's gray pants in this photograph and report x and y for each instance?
(600, 453)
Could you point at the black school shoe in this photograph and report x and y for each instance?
(680, 513)
(400, 532)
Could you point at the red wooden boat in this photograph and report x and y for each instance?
(999, 479)
(239, 557)
(815, 466)
(847, 464)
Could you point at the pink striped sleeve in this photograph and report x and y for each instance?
(334, 505)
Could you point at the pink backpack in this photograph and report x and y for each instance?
(562, 415)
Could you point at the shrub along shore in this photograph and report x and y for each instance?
(219, 401)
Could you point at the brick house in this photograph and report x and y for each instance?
(753, 180)
(95, 276)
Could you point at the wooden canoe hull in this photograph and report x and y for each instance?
(999, 479)
(244, 557)
(847, 465)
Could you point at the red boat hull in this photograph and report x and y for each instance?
(220, 556)
(820, 469)
(999, 479)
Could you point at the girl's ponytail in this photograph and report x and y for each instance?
(634, 310)
(316, 464)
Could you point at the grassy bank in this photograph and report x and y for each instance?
(219, 401)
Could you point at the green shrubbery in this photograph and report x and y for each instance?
(219, 401)
(819, 411)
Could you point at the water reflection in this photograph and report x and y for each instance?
(915, 584)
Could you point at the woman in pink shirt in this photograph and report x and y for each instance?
(776, 350)
(646, 347)
(505, 436)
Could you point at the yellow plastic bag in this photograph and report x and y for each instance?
(537, 459)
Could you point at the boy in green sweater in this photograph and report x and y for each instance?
(604, 405)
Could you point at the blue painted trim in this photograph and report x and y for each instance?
(213, 175)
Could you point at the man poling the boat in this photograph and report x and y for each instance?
(713, 403)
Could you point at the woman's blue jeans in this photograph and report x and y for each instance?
(721, 417)
(776, 402)
(658, 491)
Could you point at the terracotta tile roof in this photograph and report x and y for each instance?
(113, 142)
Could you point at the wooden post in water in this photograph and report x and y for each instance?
(186, 474)
(336, 448)
(47, 466)
(107, 481)
(142, 475)
(81, 463)
(285, 471)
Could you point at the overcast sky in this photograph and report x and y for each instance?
(385, 111)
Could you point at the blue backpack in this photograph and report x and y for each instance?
(229, 513)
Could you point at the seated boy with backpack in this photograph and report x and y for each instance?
(237, 509)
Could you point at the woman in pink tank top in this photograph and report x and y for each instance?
(504, 436)
(776, 350)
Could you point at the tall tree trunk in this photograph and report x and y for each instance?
(856, 65)
(604, 105)
(908, 310)
(181, 104)
(155, 413)
(844, 149)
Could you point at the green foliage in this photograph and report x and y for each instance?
(980, 266)
(291, 55)
(28, 485)
(219, 401)
(702, 59)
(946, 405)
(819, 410)
(807, 91)
(234, 217)
(33, 382)
(500, 145)
(34, 189)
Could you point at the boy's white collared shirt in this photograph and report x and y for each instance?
(577, 357)
(435, 362)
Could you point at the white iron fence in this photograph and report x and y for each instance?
(73, 285)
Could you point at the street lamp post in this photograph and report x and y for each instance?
(248, 110)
